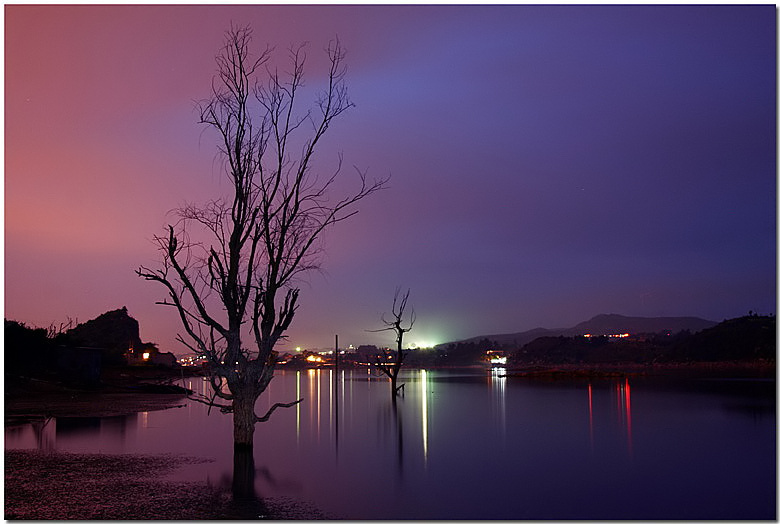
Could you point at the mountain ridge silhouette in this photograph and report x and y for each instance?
(601, 324)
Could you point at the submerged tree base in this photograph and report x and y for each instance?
(243, 487)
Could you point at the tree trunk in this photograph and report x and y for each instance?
(244, 419)
(394, 380)
(393, 389)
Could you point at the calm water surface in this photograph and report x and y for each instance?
(476, 445)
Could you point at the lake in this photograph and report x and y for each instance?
(475, 444)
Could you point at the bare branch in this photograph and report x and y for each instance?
(224, 408)
(274, 407)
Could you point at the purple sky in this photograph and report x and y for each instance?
(548, 163)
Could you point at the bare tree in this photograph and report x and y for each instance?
(53, 331)
(391, 364)
(235, 293)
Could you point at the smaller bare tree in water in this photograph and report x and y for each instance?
(391, 364)
(235, 291)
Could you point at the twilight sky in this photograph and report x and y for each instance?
(548, 163)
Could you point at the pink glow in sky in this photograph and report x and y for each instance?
(548, 163)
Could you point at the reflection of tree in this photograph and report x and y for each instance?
(246, 503)
(289, 484)
(43, 440)
(399, 429)
(244, 474)
(118, 426)
(391, 424)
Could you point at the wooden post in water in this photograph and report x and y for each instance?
(336, 392)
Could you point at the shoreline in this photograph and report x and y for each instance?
(41, 400)
(679, 370)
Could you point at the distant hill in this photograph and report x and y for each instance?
(116, 334)
(744, 339)
(606, 324)
(114, 330)
(600, 325)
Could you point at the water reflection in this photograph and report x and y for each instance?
(54, 433)
(44, 440)
(390, 429)
(497, 383)
(247, 502)
(563, 460)
(623, 408)
(626, 391)
(620, 410)
(39, 430)
(424, 416)
(590, 415)
(74, 426)
(298, 407)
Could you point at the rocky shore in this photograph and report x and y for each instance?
(68, 486)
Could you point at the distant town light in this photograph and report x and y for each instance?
(146, 355)
(496, 356)
(611, 335)
(191, 360)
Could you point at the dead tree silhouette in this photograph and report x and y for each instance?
(230, 266)
(391, 364)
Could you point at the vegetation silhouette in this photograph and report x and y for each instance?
(745, 339)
